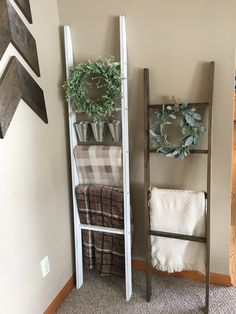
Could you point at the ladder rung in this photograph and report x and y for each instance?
(177, 236)
(191, 104)
(205, 193)
(192, 151)
(101, 229)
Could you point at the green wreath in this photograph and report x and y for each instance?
(190, 128)
(106, 75)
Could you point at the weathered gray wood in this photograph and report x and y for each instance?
(192, 151)
(155, 106)
(13, 30)
(209, 170)
(10, 95)
(16, 83)
(24, 6)
(147, 185)
(208, 151)
(177, 236)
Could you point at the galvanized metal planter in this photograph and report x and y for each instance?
(116, 130)
(82, 130)
(98, 130)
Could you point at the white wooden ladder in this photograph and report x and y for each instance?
(78, 227)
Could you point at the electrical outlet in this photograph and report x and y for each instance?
(45, 266)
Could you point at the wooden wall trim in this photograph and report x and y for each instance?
(56, 303)
(215, 278)
(232, 264)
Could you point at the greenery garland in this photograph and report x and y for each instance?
(106, 75)
(190, 128)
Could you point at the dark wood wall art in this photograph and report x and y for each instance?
(16, 83)
(14, 31)
(24, 6)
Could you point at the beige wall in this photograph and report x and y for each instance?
(174, 39)
(34, 196)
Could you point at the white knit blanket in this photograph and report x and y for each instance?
(178, 211)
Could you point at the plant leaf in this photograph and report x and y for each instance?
(188, 141)
(197, 116)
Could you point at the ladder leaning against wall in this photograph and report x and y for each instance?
(78, 227)
(147, 151)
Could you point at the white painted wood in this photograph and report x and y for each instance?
(102, 229)
(74, 176)
(125, 145)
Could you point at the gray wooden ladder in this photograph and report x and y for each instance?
(147, 152)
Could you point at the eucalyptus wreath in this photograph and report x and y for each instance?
(190, 126)
(106, 75)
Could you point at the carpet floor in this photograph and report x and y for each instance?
(170, 295)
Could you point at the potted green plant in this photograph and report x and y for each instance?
(95, 88)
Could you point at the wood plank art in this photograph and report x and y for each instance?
(13, 30)
(15, 84)
(24, 6)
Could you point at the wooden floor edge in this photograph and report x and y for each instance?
(56, 303)
(218, 279)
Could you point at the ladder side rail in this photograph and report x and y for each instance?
(209, 174)
(125, 149)
(74, 176)
(147, 184)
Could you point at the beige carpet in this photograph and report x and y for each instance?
(171, 295)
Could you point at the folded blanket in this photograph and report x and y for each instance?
(102, 206)
(178, 211)
(99, 164)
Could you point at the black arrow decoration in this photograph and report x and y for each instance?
(13, 30)
(24, 6)
(16, 84)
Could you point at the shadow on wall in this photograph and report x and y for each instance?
(136, 129)
(110, 43)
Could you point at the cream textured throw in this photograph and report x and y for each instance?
(178, 211)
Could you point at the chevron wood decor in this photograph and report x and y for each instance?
(13, 30)
(16, 84)
(24, 6)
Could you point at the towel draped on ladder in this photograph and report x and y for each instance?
(183, 212)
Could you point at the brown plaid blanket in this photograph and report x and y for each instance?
(99, 164)
(102, 206)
